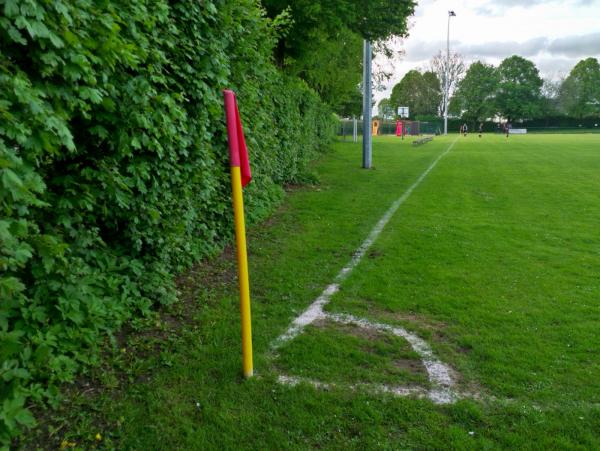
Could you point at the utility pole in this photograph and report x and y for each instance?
(447, 75)
(367, 144)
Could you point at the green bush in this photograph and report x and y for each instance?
(113, 166)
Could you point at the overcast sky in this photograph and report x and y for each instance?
(554, 34)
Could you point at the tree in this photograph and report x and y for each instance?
(386, 109)
(322, 70)
(474, 97)
(579, 94)
(432, 93)
(419, 92)
(376, 20)
(352, 106)
(519, 89)
(551, 97)
(453, 68)
(321, 40)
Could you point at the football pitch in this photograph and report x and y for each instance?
(482, 283)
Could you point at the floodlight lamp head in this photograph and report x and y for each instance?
(451, 14)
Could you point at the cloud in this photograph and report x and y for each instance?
(501, 49)
(527, 3)
(570, 46)
(574, 46)
(422, 50)
(422, 7)
(495, 8)
(555, 68)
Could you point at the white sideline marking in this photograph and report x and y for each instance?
(315, 310)
(398, 391)
(436, 396)
(439, 374)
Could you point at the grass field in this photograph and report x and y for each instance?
(493, 260)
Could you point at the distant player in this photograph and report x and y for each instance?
(465, 129)
(506, 128)
(480, 129)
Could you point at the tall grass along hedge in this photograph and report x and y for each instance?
(113, 171)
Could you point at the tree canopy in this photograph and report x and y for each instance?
(579, 95)
(386, 109)
(420, 92)
(322, 70)
(514, 90)
(519, 89)
(321, 40)
(475, 95)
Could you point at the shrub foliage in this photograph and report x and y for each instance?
(113, 166)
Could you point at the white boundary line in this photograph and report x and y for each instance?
(315, 310)
(398, 391)
(439, 374)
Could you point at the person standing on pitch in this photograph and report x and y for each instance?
(506, 128)
(465, 129)
(480, 129)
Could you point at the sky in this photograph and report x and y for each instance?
(554, 34)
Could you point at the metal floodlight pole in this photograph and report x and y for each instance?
(367, 145)
(447, 75)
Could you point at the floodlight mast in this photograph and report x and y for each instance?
(447, 75)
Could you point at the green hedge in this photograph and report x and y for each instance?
(113, 166)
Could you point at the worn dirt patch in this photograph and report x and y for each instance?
(375, 253)
(414, 366)
(218, 272)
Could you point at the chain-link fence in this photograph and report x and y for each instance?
(388, 127)
(436, 127)
(345, 128)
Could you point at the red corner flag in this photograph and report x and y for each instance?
(238, 152)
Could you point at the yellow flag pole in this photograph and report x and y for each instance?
(238, 157)
(242, 260)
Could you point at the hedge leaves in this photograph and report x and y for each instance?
(113, 166)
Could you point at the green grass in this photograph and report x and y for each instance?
(494, 259)
(333, 353)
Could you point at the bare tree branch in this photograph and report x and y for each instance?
(454, 67)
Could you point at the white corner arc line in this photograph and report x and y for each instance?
(439, 374)
(315, 310)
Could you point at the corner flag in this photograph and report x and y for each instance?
(238, 152)
(240, 176)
